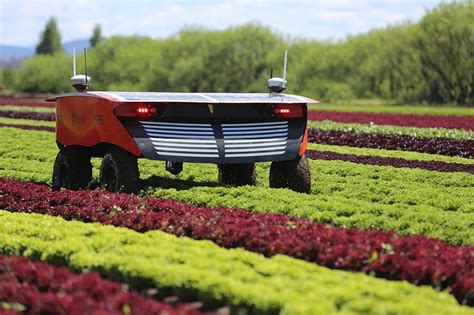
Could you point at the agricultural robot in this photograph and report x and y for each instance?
(231, 130)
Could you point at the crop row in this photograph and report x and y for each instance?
(410, 201)
(390, 161)
(42, 288)
(314, 154)
(407, 120)
(28, 127)
(327, 155)
(443, 146)
(406, 155)
(25, 108)
(396, 109)
(459, 134)
(417, 259)
(22, 102)
(340, 149)
(28, 115)
(203, 271)
(323, 125)
(422, 110)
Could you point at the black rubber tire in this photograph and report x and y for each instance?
(237, 174)
(279, 175)
(72, 168)
(119, 172)
(294, 174)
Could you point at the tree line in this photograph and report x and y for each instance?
(431, 61)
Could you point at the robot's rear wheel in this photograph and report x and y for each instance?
(237, 174)
(294, 174)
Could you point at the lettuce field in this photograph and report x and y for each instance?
(387, 228)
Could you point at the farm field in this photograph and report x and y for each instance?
(388, 227)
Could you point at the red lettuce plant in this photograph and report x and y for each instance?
(41, 288)
(418, 259)
(404, 120)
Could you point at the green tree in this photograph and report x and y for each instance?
(50, 39)
(445, 44)
(96, 35)
(44, 74)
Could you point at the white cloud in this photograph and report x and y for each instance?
(21, 21)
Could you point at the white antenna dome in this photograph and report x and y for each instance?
(79, 81)
(277, 84)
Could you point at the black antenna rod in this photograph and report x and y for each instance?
(85, 63)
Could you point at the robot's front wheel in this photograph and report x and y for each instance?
(119, 171)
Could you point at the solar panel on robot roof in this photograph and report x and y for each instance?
(170, 97)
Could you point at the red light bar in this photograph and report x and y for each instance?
(288, 111)
(131, 110)
(282, 111)
(145, 110)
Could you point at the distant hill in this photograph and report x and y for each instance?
(10, 55)
(10, 52)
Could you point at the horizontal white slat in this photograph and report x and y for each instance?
(255, 149)
(177, 128)
(183, 140)
(164, 135)
(187, 154)
(255, 132)
(173, 124)
(257, 136)
(207, 133)
(250, 145)
(256, 124)
(252, 128)
(181, 145)
(268, 140)
(194, 150)
(254, 154)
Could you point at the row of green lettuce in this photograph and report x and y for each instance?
(201, 270)
(329, 125)
(410, 201)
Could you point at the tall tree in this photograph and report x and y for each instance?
(50, 39)
(96, 35)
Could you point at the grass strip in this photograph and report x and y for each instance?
(200, 269)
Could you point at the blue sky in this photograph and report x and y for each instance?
(22, 20)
